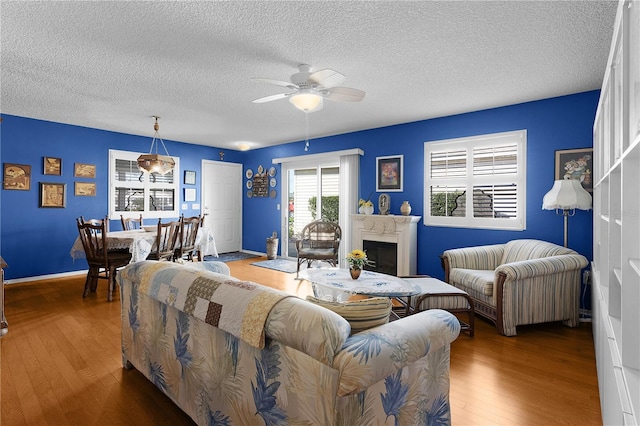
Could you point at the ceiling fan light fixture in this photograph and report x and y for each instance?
(307, 102)
(154, 162)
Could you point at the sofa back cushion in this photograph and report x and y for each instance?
(518, 250)
(361, 314)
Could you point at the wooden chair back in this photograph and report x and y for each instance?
(102, 262)
(93, 236)
(166, 238)
(189, 227)
(131, 223)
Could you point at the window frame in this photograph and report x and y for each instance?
(146, 185)
(469, 181)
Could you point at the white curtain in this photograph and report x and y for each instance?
(349, 183)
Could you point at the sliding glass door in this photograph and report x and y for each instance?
(313, 193)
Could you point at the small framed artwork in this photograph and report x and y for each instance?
(53, 194)
(53, 166)
(576, 164)
(16, 176)
(189, 177)
(189, 194)
(84, 170)
(85, 189)
(389, 172)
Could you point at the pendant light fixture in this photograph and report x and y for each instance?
(154, 162)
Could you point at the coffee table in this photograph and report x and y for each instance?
(336, 284)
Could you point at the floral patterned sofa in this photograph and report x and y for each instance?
(283, 360)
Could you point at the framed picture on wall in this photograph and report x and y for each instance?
(53, 194)
(189, 194)
(189, 177)
(576, 164)
(84, 170)
(16, 176)
(53, 166)
(85, 189)
(389, 172)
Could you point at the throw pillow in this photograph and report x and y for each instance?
(361, 314)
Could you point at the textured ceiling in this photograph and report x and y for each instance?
(112, 65)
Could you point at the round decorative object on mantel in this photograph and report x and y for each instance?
(405, 208)
(367, 209)
(355, 273)
(384, 203)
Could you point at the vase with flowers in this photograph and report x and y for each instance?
(357, 260)
(365, 206)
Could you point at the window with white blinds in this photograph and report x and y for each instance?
(476, 182)
(132, 192)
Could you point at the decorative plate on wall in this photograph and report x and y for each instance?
(273, 182)
(249, 173)
(272, 171)
(249, 184)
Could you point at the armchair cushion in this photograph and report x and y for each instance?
(480, 281)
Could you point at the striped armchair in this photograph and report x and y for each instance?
(520, 282)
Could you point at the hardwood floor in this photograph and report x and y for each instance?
(61, 364)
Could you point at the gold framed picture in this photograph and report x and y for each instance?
(53, 194)
(85, 189)
(84, 170)
(53, 166)
(16, 176)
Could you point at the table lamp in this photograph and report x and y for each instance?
(566, 195)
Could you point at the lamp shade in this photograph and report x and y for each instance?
(566, 195)
(307, 102)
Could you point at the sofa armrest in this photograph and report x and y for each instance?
(370, 356)
(543, 266)
(318, 332)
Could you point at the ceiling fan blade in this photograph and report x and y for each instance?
(275, 82)
(344, 94)
(326, 78)
(271, 98)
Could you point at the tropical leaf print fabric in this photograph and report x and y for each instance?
(310, 371)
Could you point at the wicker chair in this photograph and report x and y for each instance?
(319, 240)
(520, 282)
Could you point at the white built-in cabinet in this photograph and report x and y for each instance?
(616, 251)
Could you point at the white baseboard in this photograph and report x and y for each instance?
(46, 277)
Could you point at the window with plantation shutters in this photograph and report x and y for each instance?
(132, 192)
(476, 182)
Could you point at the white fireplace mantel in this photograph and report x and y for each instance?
(401, 230)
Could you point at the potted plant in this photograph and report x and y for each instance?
(357, 259)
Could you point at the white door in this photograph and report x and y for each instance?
(222, 203)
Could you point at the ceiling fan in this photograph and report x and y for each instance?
(310, 88)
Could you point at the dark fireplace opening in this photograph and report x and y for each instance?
(384, 255)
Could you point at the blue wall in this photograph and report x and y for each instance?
(36, 241)
(552, 124)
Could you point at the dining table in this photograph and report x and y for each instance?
(140, 242)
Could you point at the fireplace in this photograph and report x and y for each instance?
(383, 255)
(399, 231)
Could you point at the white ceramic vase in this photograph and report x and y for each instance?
(405, 208)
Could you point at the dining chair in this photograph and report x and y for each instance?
(166, 237)
(103, 262)
(97, 222)
(186, 245)
(131, 223)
